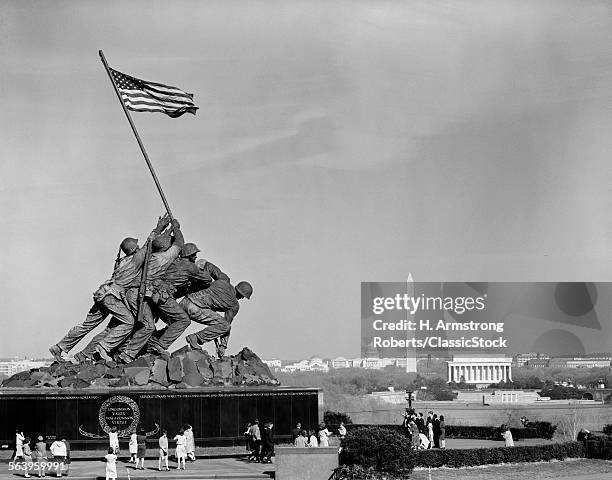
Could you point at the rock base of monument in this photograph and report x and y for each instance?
(218, 415)
(185, 368)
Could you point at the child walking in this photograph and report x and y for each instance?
(111, 464)
(163, 450)
(113, 440)
(133, 445)
(181, 451)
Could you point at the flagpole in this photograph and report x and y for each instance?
(143, 278)
(142, 148)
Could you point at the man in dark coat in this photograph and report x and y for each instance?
(267, 444)
(295, 432)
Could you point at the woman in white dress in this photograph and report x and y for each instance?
(508, 440)
(324, 434)
(190, 443)
(113, 440)
(181, 451)
(111, 464)
(133, 447)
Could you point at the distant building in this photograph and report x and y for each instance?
(479, 370)
(538, 363)
(274, 364)
(522, 359)
(579, 362)
(341, 362)
(10, 367)
(315, 364)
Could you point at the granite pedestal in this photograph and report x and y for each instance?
(218, 415)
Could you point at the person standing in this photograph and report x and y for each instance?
(133, 446)
(301, 440)
(436, 430)
(247, 437)
(414, 431)
(442, 432)
(507, 435)
(267, 444)
(163, 450)
(312, 440)
(189, 443)
(420, 422)
(342, 431)
(295, 432)
(141, 442)
(27, 455)
(67, 461)
(255, 434)
(181, 452)
(430, 434)
(58, 450)
(40, 454)
(111, 464)
(19, 438)
(324, 435)
(113, 440)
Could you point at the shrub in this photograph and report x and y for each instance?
(382, 449)
(599, 446)
(484, 456)
(607, 429)
(543, 429)
(333, 418)
(357, 472)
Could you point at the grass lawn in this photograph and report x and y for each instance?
(572, 468)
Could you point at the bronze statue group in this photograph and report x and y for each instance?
(162, 280)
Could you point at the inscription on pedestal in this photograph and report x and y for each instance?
(121, 412)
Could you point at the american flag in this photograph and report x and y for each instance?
(142, 96)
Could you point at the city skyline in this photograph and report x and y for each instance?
(332, 147)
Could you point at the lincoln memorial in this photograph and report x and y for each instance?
(481, 370)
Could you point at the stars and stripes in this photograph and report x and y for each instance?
(142, 96)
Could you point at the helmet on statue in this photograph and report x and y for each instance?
(129, 245)
(161, 243)
(189, 249)
(244, 289)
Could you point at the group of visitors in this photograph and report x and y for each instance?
(309, 438)
(25, 451)
(259, 442)
(185, 450)
(425, 432)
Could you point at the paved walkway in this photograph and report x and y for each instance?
(208, 468)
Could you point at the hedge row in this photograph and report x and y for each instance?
(484, 456)
(535, 430)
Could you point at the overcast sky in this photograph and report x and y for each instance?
(337, 142)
